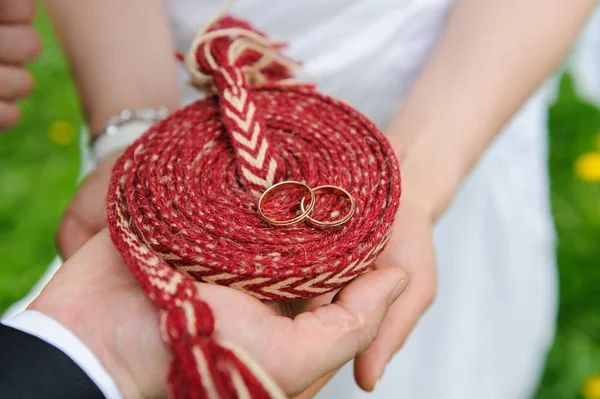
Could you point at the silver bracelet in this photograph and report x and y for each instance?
(123, 129)
(151, 115)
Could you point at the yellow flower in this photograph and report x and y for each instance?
(591, 387)
(587, 167)
(62, 133)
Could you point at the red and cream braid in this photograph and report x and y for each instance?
(182, 201)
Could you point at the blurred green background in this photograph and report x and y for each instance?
(39, 164)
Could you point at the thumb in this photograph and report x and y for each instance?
(334, 334)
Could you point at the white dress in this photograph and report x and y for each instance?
(492, 323)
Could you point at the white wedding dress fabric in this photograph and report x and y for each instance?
(584, 63)
(492, 323)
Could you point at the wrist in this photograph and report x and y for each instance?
(95, 297)
(92, 333)
(430, 178)
(70, 365)
(123, 129)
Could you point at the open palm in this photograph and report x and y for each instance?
(96, 297)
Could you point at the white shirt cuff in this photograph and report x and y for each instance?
(51, 331)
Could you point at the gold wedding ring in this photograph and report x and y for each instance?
(330, 190)
(286, 185)
(306, 209)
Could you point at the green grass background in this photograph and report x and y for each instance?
(38, 176)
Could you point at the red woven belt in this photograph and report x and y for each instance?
(182, 200)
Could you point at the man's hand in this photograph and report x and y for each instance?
(20, 44)
(86, 214)
(96, 297)
(410, 250)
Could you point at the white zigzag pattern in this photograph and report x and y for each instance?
(167, 286)
(236, 102)
(253, 140)
(274, 289)
(348, 268)
(367, 260)
(194, 268)
(241, 285)
(268, 181)
(308, 286)
(257, 161)
(228, 77)
(217, 277)
(245, 123)
(171, 286)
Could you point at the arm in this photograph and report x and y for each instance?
(121, 56)
(40, 358)
(490, 58)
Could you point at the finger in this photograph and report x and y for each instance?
(333, 334)
(15, 83)
(72, 233)
(86, 214)
(9, 116)
(17, 11)
(397, 325)
(20, 44)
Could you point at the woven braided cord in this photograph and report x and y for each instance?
(182, 201)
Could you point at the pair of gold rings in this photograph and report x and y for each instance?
(307, 209)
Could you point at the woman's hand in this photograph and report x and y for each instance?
(20, 45)
(461, 100)
(96, 297)
(410, 249)
(86, 214)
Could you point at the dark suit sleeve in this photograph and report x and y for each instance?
(30, 368)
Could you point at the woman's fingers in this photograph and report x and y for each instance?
(400, 320)
(19, 44)
(16, 83)
(412, 251)
(85, 216)
(17, 11)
